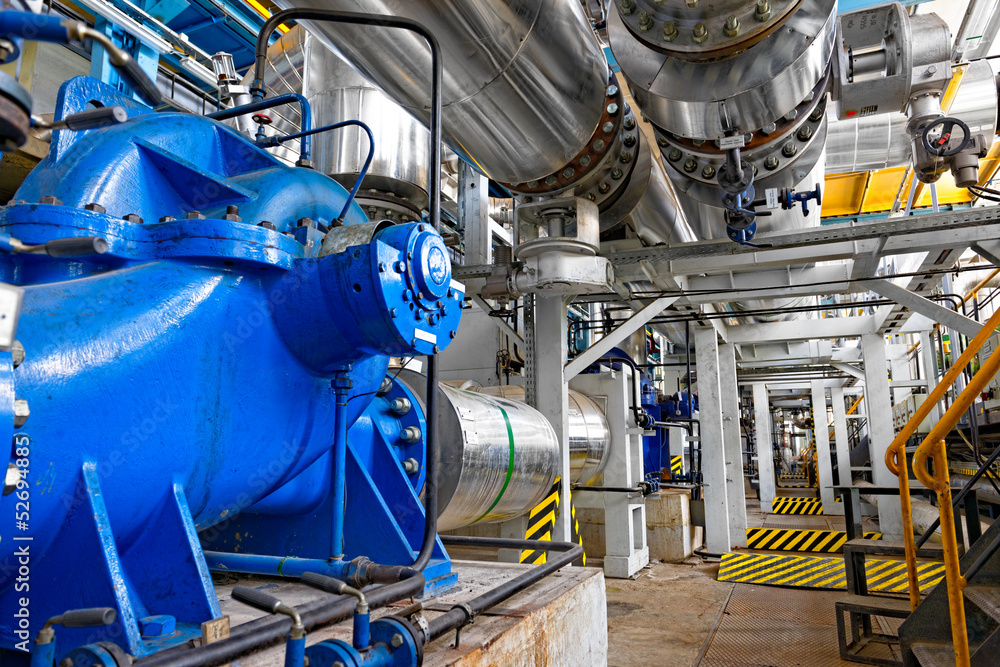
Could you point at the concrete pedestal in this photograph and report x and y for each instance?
(669, 533)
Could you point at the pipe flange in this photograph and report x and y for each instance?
(703, 31)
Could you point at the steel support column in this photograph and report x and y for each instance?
(732, 433)
(929, 364)
(824, 463)
(840, 436)
(765, 447)
(713, 464)
(547, 390)
(474, 214)
(880, 431)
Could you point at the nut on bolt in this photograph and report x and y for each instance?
(133, 217)
(400, 406)
(789, 149)
(95, 207)
(645, 20)
(305, 222)
(232, 214)
(805, 133)
(50, 199)
(700, 33)
(628, 6)
(410, 434)
(690, 165)
(21, 412)
(708, 171)
(194, 215)
(675, 154)
(603, 187)
(732, 27)
(763, 11)
(669, 31)
(771, 163)
(410, 466)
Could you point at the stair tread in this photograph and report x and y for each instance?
(986, 598)
(933, 654)
(877, 603)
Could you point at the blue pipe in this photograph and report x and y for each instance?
(362, 630)
(305, 147)
(341, 387)
(295, 650)
(274, 566)
(277, 141)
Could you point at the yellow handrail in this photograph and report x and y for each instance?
(932, 447)
(895, 455)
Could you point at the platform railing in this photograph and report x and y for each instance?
(895, 454)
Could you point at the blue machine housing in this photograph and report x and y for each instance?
(191, 372)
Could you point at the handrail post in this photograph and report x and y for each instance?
(895, 455)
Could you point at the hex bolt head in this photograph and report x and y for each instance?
(17, 353)
(194, 215)
(817, 114)
(771, 163)
(305, 222)
(400, 406)
(598, 145)
(708, 171)
(675, 154)
(732, 27)
(532, 184)
(167, 218)
(585, 161)
(608, 127)
(669, 31)
(410, 434)
(50, 199)
(604, 187)
(645, 20)
(267, 224)
(21, 412)
(612, 109)
(770, 128)
(629, 140)
(397, 639)
(762, 11)
(628, 6)
(792, 115)
(551, 180)
(133, 217)
(410, 467)
(700, 33)
(690, 165)
(568, 172)
(616, 173)
(789, 149)
(385, 387)
(805, 133)
(232, 214)
(612, 90)
(95, 207)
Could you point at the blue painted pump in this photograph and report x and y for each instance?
(179, 381)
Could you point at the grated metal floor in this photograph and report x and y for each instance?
(777, 627)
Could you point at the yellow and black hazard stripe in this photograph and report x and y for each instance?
(787, 539)
(542, 521)
(797, 506)
(792, 475)
(884, 576)
(676, 465)
(971, 470)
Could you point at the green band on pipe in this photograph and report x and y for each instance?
(510, 463)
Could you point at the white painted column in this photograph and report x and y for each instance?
(547, 391)
(824, 464)
(765, 449)
(928, 356)
(840, 435)
(733, 437)
(880, 431)
(713, 464)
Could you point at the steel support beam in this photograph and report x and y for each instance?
(713, 464)
(919, 304)
(765, 446)
(474, 214)
(880, 431)
(849, 369)
(732, 434)
(616, 336)
(547, 390)
(773, 332)
(824, 464)
(840, 436)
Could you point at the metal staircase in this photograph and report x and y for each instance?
(926, 636)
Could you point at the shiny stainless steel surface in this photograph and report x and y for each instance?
(299, 62)
(589, 436)
(524, 80)
(879, 142)
(657, 216)
(745, 92)
(483, 439)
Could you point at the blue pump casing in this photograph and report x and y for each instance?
(186, 375)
